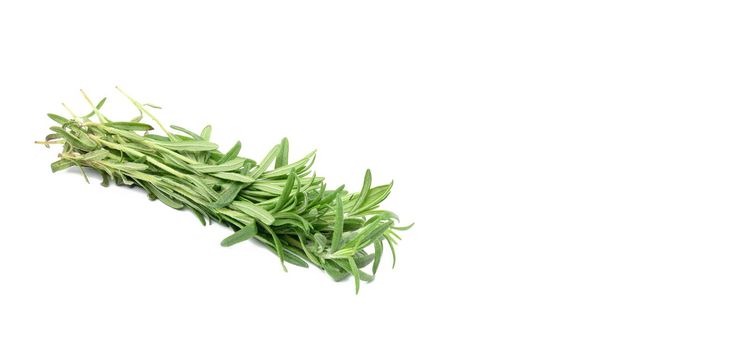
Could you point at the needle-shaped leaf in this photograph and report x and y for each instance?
(282, 157)
(403, 228)
(61, 165)
(234, 177)
(352, 224)
(231, 192)
(339, 222)
(285, 195)
(76, 142)
(265, 163)
(99, 106)
(294, 259)
(370, 235)
(321, 241)
(254, 211)
(193, 135)
(278, 246)
(191, 146)
(284, 170)
(363, 260)
(294, 219)
(331, 196)
(231, 154)
(105, 178)
(364, 190)
(392, 249)
(232, 165)
(172, 203)
(227, 196)
(245, 233)
(354, 271)
(95, 109)
(337, 273)
(206, 133)
(132, 126)
(376, 195)
(58, 119)
(96, 155)
(51, 137)
(126, 166)
(378, 249)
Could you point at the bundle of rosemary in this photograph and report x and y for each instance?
(278, 203)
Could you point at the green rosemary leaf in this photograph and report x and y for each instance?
(164, 198)
(339, 222)
(231, 154)
(101, 103)
(199, 215)
(292, 219)
(206, 133)
(278, 246)
(105, 178)
(95, 109)
(392, 249)
(378, 249)
(331, 196)
(50, 137)
(231, 165)
(335, 272)
(58, 119)
(352, 224)
(282, 157)
(403, 228)
(375, 196)
(370, 235)
(254, 211)
(227, 196)
(294, 259)
(265, 163)
(285, 194)
(126, 166)
(233, 177)
(354, 271)
(363, 260)
(99, 106)
(185, 145)
(284, 170)
(245, 233)
(131, 126)
(320, 241)
(343, 253)
(61, 164)
(73, 140)
(187, 132)
(99, 154)
(383, 215)
(268, 188)
(364, 190)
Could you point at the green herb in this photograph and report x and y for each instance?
(276, 202)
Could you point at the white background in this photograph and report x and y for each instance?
(579, 173)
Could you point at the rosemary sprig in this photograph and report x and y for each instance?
(280, 204)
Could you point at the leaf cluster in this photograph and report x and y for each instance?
(281, 204)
